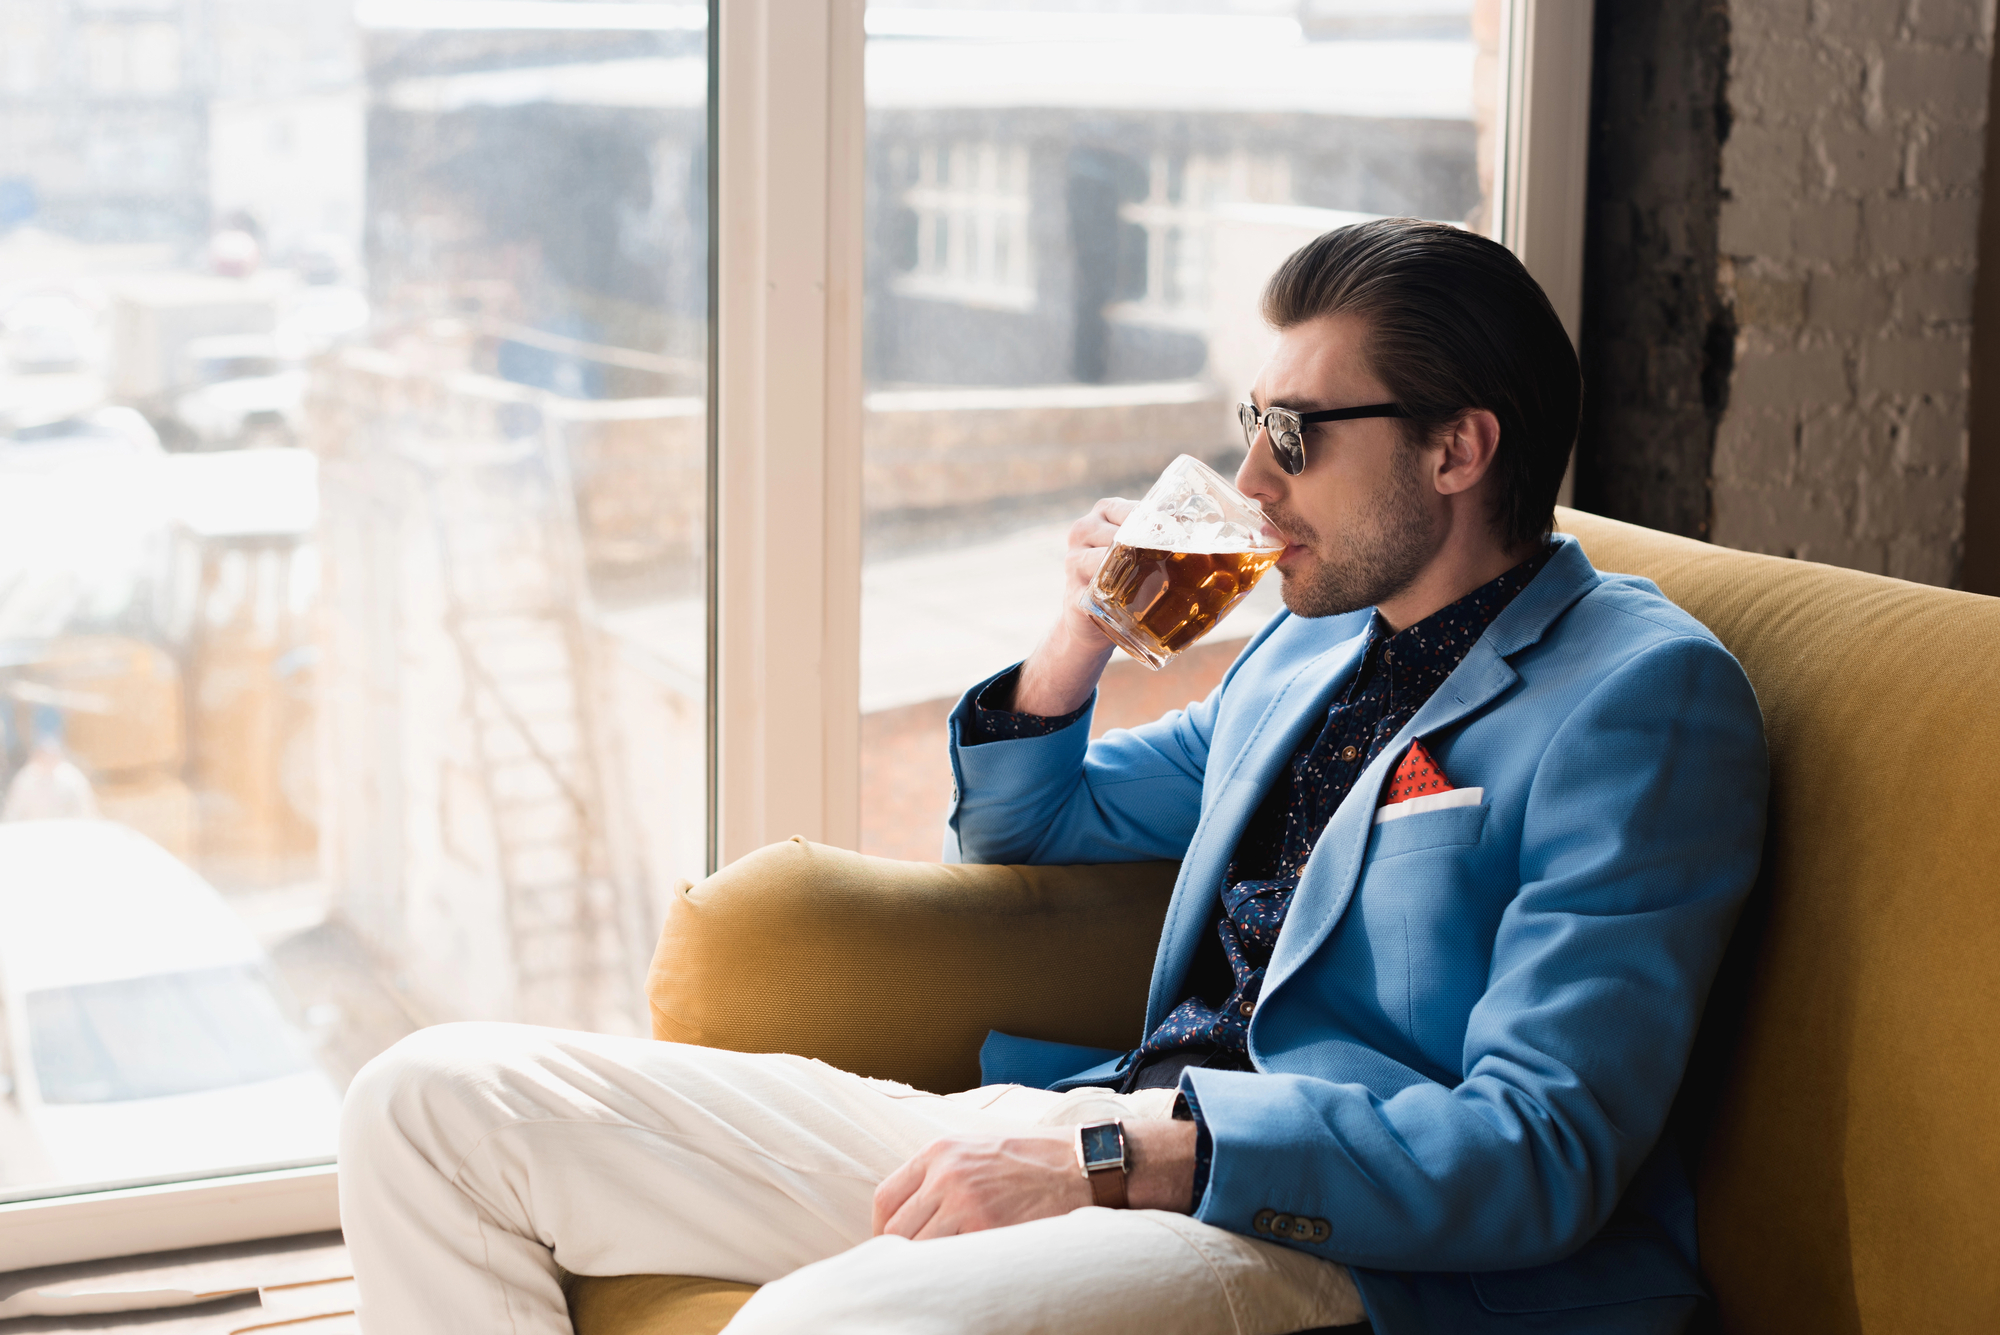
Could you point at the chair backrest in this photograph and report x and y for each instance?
(1849, 1174)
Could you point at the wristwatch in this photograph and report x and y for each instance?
(1100, 1153)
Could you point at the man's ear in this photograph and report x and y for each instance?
(1470, 446)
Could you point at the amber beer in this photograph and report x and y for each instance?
(1156, 603)
(1184, 556)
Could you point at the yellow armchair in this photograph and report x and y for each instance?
(1845, 1098)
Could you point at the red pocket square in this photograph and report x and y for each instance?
(1417, 776)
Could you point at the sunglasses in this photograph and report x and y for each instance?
(1287, 428)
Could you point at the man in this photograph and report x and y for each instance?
(1462, 835)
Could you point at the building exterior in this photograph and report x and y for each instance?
(111, 111)
(1053, 199)
(1024, 228)
(105, 108)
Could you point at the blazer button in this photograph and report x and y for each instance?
(1321, 1230)
(1262, 1223)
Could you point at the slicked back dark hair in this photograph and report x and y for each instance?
(1454, 323)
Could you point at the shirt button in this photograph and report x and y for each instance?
(1348, 753)
(1388, 655)
(1247, 1007)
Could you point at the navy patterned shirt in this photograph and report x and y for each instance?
(1397, 674)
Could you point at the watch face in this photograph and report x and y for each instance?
(1103, 1147)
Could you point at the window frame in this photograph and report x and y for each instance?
(1542, 175)
(1545, 145)
(93, 1225)
(786, 189)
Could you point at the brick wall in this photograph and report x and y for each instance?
(1849, 233)
(1845, 231)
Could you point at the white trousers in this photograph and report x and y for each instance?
(480, 1161)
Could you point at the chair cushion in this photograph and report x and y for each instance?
(1851, 1178)
(654, 1304)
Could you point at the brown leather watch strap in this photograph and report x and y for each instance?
(1107, 1188)
(1105, 1173)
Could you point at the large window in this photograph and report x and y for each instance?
(353, 512)
(1070, 214)
(425, 540)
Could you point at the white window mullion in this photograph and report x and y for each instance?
(847, 163)
(1545, 154)
(788, 233)
(1546, 146)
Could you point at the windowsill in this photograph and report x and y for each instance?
(925, 287)
(125, 1221)
(1158, 315)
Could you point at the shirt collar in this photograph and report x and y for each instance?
(1420, 656)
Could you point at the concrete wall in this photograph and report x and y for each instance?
(1658, 333)
(1846, 197)
(1981, 570)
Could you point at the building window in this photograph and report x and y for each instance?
(132, 59)
(1165, 254)
(964, 218)
(23, 54)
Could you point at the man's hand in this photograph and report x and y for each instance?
(962, 1184)
(1063, 671)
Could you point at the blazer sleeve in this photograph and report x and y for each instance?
(1641, 836)
(1133, 795)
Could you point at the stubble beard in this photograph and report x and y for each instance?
(1373, 560)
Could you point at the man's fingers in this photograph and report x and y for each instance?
(1100, 526)
(915, 1217)
(896, 1190)
(1083, 564)
(939, 1225)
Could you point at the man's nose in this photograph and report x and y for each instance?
(1258, 474)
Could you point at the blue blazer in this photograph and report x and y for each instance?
(1475, 1018)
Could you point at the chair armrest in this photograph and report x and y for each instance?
(897, 969)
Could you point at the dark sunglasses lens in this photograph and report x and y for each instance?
(1248, 417)
(1290, 448)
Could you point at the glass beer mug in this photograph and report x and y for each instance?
(1186, 555)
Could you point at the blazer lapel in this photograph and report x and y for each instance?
(1301, 704)
(1326, 883)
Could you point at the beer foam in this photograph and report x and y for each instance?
(1161, 533)
(1183, 514)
